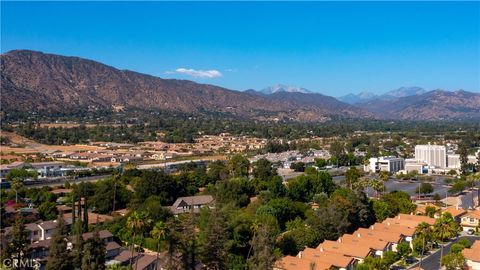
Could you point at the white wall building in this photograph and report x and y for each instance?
(453, 161)
(388, 164)
(432, 155)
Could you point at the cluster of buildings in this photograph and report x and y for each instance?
(49, 169)
(41, 232)
(435, 158)
(285, 159)
(428, 158)
(351, 249)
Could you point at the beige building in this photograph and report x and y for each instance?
(470, 220)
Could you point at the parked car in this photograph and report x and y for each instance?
(470, 231)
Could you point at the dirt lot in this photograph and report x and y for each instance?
(30, 146)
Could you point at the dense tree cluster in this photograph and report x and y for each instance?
(256, 217)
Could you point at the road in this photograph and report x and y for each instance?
(61, 181)
(432, 262)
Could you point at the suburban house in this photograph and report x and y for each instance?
(359, 253)
(338, 261)
(472, 256)
(294, 263)
(191, 204)
(140, 261)
(470, 220)
(351, 249)
(377, 245)
(39, 250)
(456, 212)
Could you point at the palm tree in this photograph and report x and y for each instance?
(159, 233)
(136, 223)
(17, 184)
(423, 232)
(445, 228)
(254, 227)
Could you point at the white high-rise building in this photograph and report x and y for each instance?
(432, 155)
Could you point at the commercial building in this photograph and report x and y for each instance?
(432, 155)
(453, 161)
(387, 164)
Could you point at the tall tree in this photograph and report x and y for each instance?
(78, 247)
(159, 233)
(17, 247)
(136, 223)
(213, 251)
(263, 244)
(263, 169)
(94, 253)
(188, 240)
(238, 166)
(463, 152)
(445, 228)
(351, 176)
(85, 216)
(59, 257)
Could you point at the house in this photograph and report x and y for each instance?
(472, 256)
(394, 238)
(112, 248)
(359, 253)
(456, 212)
(407, 232)
(338, 261)
(191, 204)
(470, 220)
(141, 261)
(39, 250)
(6, 168)
(378, 245)
(48, 227)
(294, 263)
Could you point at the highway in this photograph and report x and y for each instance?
(61, 181)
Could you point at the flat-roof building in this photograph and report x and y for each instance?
(433, 155)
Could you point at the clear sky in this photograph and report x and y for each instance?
(330, 47)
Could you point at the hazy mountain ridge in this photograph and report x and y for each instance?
(363, 97)
(432, 105)
(38, 81)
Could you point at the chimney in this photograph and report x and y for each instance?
(339, 240)
(321, 249)
(358, 235)
(372, 227)
(388, 223)
(300, 254)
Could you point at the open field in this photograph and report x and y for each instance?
(30, 146)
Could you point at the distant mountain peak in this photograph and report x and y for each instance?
(361, 97)
(404, 91)
(284, 88)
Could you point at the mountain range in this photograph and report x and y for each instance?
(35, 81)
(364, 97)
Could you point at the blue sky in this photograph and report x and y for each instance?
(330, 47)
